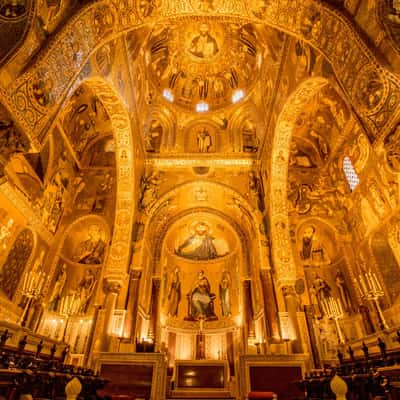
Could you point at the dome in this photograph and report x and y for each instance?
(205, 65)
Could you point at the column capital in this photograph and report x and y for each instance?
(156, 283)
(136, 273)
(111, 285)
(265, 273)
(247, 283)
(288, 290)
(286, 282)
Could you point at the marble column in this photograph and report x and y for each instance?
(90, 339)
(171, 348)
(230, 354)
(111, 289)
(154, 312)
(249, 310)
(291, 303)
(270, 306)
(132, 305)
(309, 313)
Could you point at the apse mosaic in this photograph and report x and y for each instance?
(200, 270)
(191, 294)
(200, 244)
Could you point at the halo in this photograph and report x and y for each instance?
(194, 224)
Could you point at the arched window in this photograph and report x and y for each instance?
(350, 172)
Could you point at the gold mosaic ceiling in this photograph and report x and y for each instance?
(203, 65)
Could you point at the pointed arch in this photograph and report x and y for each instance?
(280, 234)
(372, 88)
(118, 258)
(161, 225)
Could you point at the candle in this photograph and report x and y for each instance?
(333, 307)
(62, 304)
(25, 283)
(337, 312)
(358, 287)
(340, 307)
(370, 282)
(373, 282)
(326, 308)
(378, 284)
(363, 286)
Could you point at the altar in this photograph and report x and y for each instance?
(205, 378)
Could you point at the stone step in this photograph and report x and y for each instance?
(200, 398)
(201, 394)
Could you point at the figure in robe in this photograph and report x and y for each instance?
(323, 292)
(225, 294)
(149, 187)
(204, 45)
(91, 251)
(343, 290)
(198, 246)
(203, 140)
(58, 287)
(174, 294)
(85, 290)
(201, 300)
(313, 251)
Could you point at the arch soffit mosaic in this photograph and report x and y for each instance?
(155, 209)
(281, 242)
(118, 256)
(317, 24)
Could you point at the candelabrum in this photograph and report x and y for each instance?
(201, 338)
(333, 310)
(32, 287)
(370, 288)
(69, 306)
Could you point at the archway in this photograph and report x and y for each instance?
(117, 262)
(280, 233)
(355, 65)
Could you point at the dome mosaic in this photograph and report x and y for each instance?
(205, 65)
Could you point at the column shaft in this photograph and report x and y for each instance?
(155, 295)
(132, 305)
(249, 310)
(291, 303)
(111, 289)
(270, 306)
